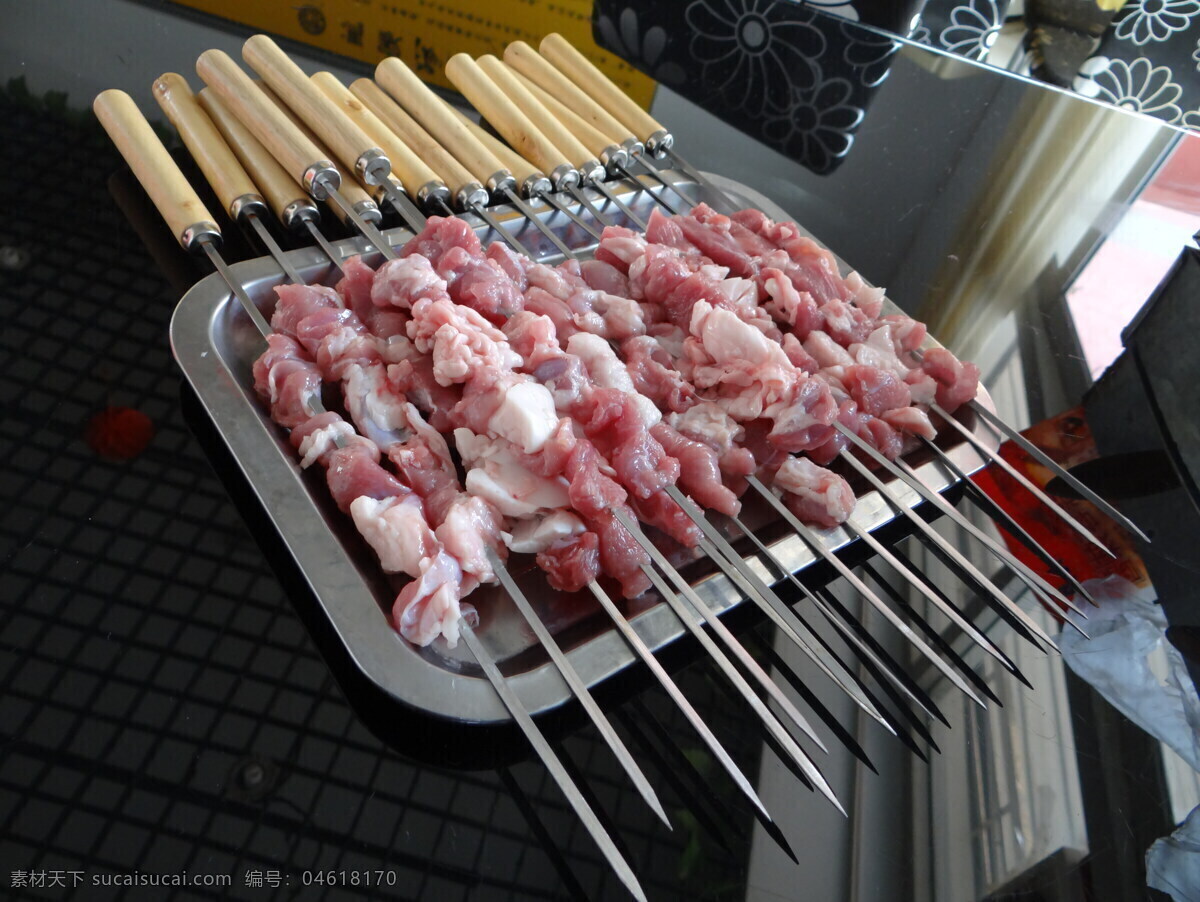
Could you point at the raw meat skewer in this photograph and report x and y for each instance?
(180, 207)
(659, 141)
(704, 229)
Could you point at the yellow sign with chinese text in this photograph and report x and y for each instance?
(426, 33)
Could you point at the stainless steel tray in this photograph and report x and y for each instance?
(215, 345)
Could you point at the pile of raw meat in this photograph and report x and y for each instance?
(704, 350)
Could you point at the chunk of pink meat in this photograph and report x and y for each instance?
(605, 277)
(286, 379)
(699, 470)
(804, 420)
(655, 376)
(480, 284)
(663, 513)
(910, 420)
(401, 283)
(429, 607)
(442, 233)
(469, 528)
(814, 494)
(619, 247)
(875, 390)
(786, 304)
(825, 351)
(572, 563)
(958, 381)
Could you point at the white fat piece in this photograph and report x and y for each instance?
(526, 416)
(317, 443)
(396, 529)
(367, 388)
(607, 371)
(533, 536)
(514, 491)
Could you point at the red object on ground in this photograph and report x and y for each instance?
(121, 433)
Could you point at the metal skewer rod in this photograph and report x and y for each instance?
(844, 625)
(300, 156)
(348, 140)
(1035, 632)
(522, 132)
(689, 620)
(574, 797)
(772, 605)
(611, 153)
(924, 589)
(497, 94)
(996, 512)
(312, 115)
(905, 473)
(1020, 477)
(229, 178)
(531, 180)
(578, 687)
(1031, 579)
(706, 734)
(933, 635)
(1060, 471)
(658, 139)
(814, 542)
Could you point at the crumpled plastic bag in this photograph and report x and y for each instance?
(1173, 863)
(1125, 631)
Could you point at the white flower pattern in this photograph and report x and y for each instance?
(870, 55)
(818, 126)
(644, 50)
(1143, 21)
(1139, 86)
(973, 29)
(756, 49)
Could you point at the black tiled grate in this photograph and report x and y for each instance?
(152, 667)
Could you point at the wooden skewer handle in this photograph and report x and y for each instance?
(535, 67)
(354, 193)
(296, 152)
(559, 51)
(532, 109)
(412, 170)
(288, 202)
(353, 147)
(597, 143)
(429, 110)
(445, 167)
(529, 177)
(521, 134)
(176, 201)
(225, 174)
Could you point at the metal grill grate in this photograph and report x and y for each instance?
(163, 709)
